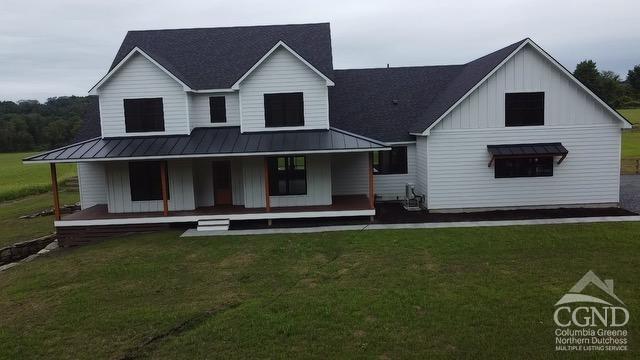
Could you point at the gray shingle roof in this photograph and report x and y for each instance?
(212, 140)
(362, 100)
(215, 58)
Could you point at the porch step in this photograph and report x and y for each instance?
(213, 225)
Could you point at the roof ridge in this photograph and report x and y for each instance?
(401, 67)
(228, 27)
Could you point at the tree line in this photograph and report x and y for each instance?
(29, 125)
(609, 86)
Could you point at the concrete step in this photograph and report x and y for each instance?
(213, 228)
(213, 222)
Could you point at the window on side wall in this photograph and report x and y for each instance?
(390, 162)
(283, 109)
(524, 109)
(218, 109)
(287, 175)
(145, 180)
(143, 115)
(523, 167)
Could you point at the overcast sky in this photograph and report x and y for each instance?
(62, 47)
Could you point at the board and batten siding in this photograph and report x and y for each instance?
(140, 78)
(459, 177)
(457, 173)
(318, 184)
(565, 103)
(92, 183)
(203, 182)
(181, 194)
(282, 72)
(200, 114)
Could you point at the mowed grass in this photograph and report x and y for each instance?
(18, 180)
(633, 115)
(452, 293)
(16, 230)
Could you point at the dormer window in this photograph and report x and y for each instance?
(143, 115)
(283, 110)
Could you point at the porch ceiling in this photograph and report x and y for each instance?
(211, 142)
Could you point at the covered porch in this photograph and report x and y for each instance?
(311, 174)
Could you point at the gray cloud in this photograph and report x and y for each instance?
(52, 48)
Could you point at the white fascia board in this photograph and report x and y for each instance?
(466, 95)
(220, 155)
(93, 90)
(625, 122)
(280, 43)
(207, 91)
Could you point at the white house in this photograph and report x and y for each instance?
(220, 124)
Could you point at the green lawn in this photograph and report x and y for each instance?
(18, 180)
(455, 293)
(15, 230)
(632, 115)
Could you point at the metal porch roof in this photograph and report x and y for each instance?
(210, 142)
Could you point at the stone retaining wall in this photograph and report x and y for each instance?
(23, 249)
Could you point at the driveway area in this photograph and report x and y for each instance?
(630, 192)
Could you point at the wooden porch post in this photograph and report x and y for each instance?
(54, 190)
(267, 200)
(372, 199)
(165, 192)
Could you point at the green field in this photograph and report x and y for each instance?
(453, 293)
(15, 230)
(18, 180)
(633, 115)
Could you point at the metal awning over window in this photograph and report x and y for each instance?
(527, 150)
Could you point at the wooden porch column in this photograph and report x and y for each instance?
(165, 192)
(54, 190)
(372, 199)
(267, 200)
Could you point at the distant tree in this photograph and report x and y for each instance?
(611, 89)
(587, 72)
(633, 77)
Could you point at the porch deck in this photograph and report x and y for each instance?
(342, 206)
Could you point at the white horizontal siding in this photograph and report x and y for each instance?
(282, 72)
(200, 113)
(140, 78)
(350, 174)
(392, 186)
(181, 192)
(565, 102)
(92, 183)
(460, 178)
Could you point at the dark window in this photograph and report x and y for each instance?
(142, 115)
(524, 109)
(218, 109)
(390, 162)
(145, 181)
(523, 167)
(285, 109)
(287, 175)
